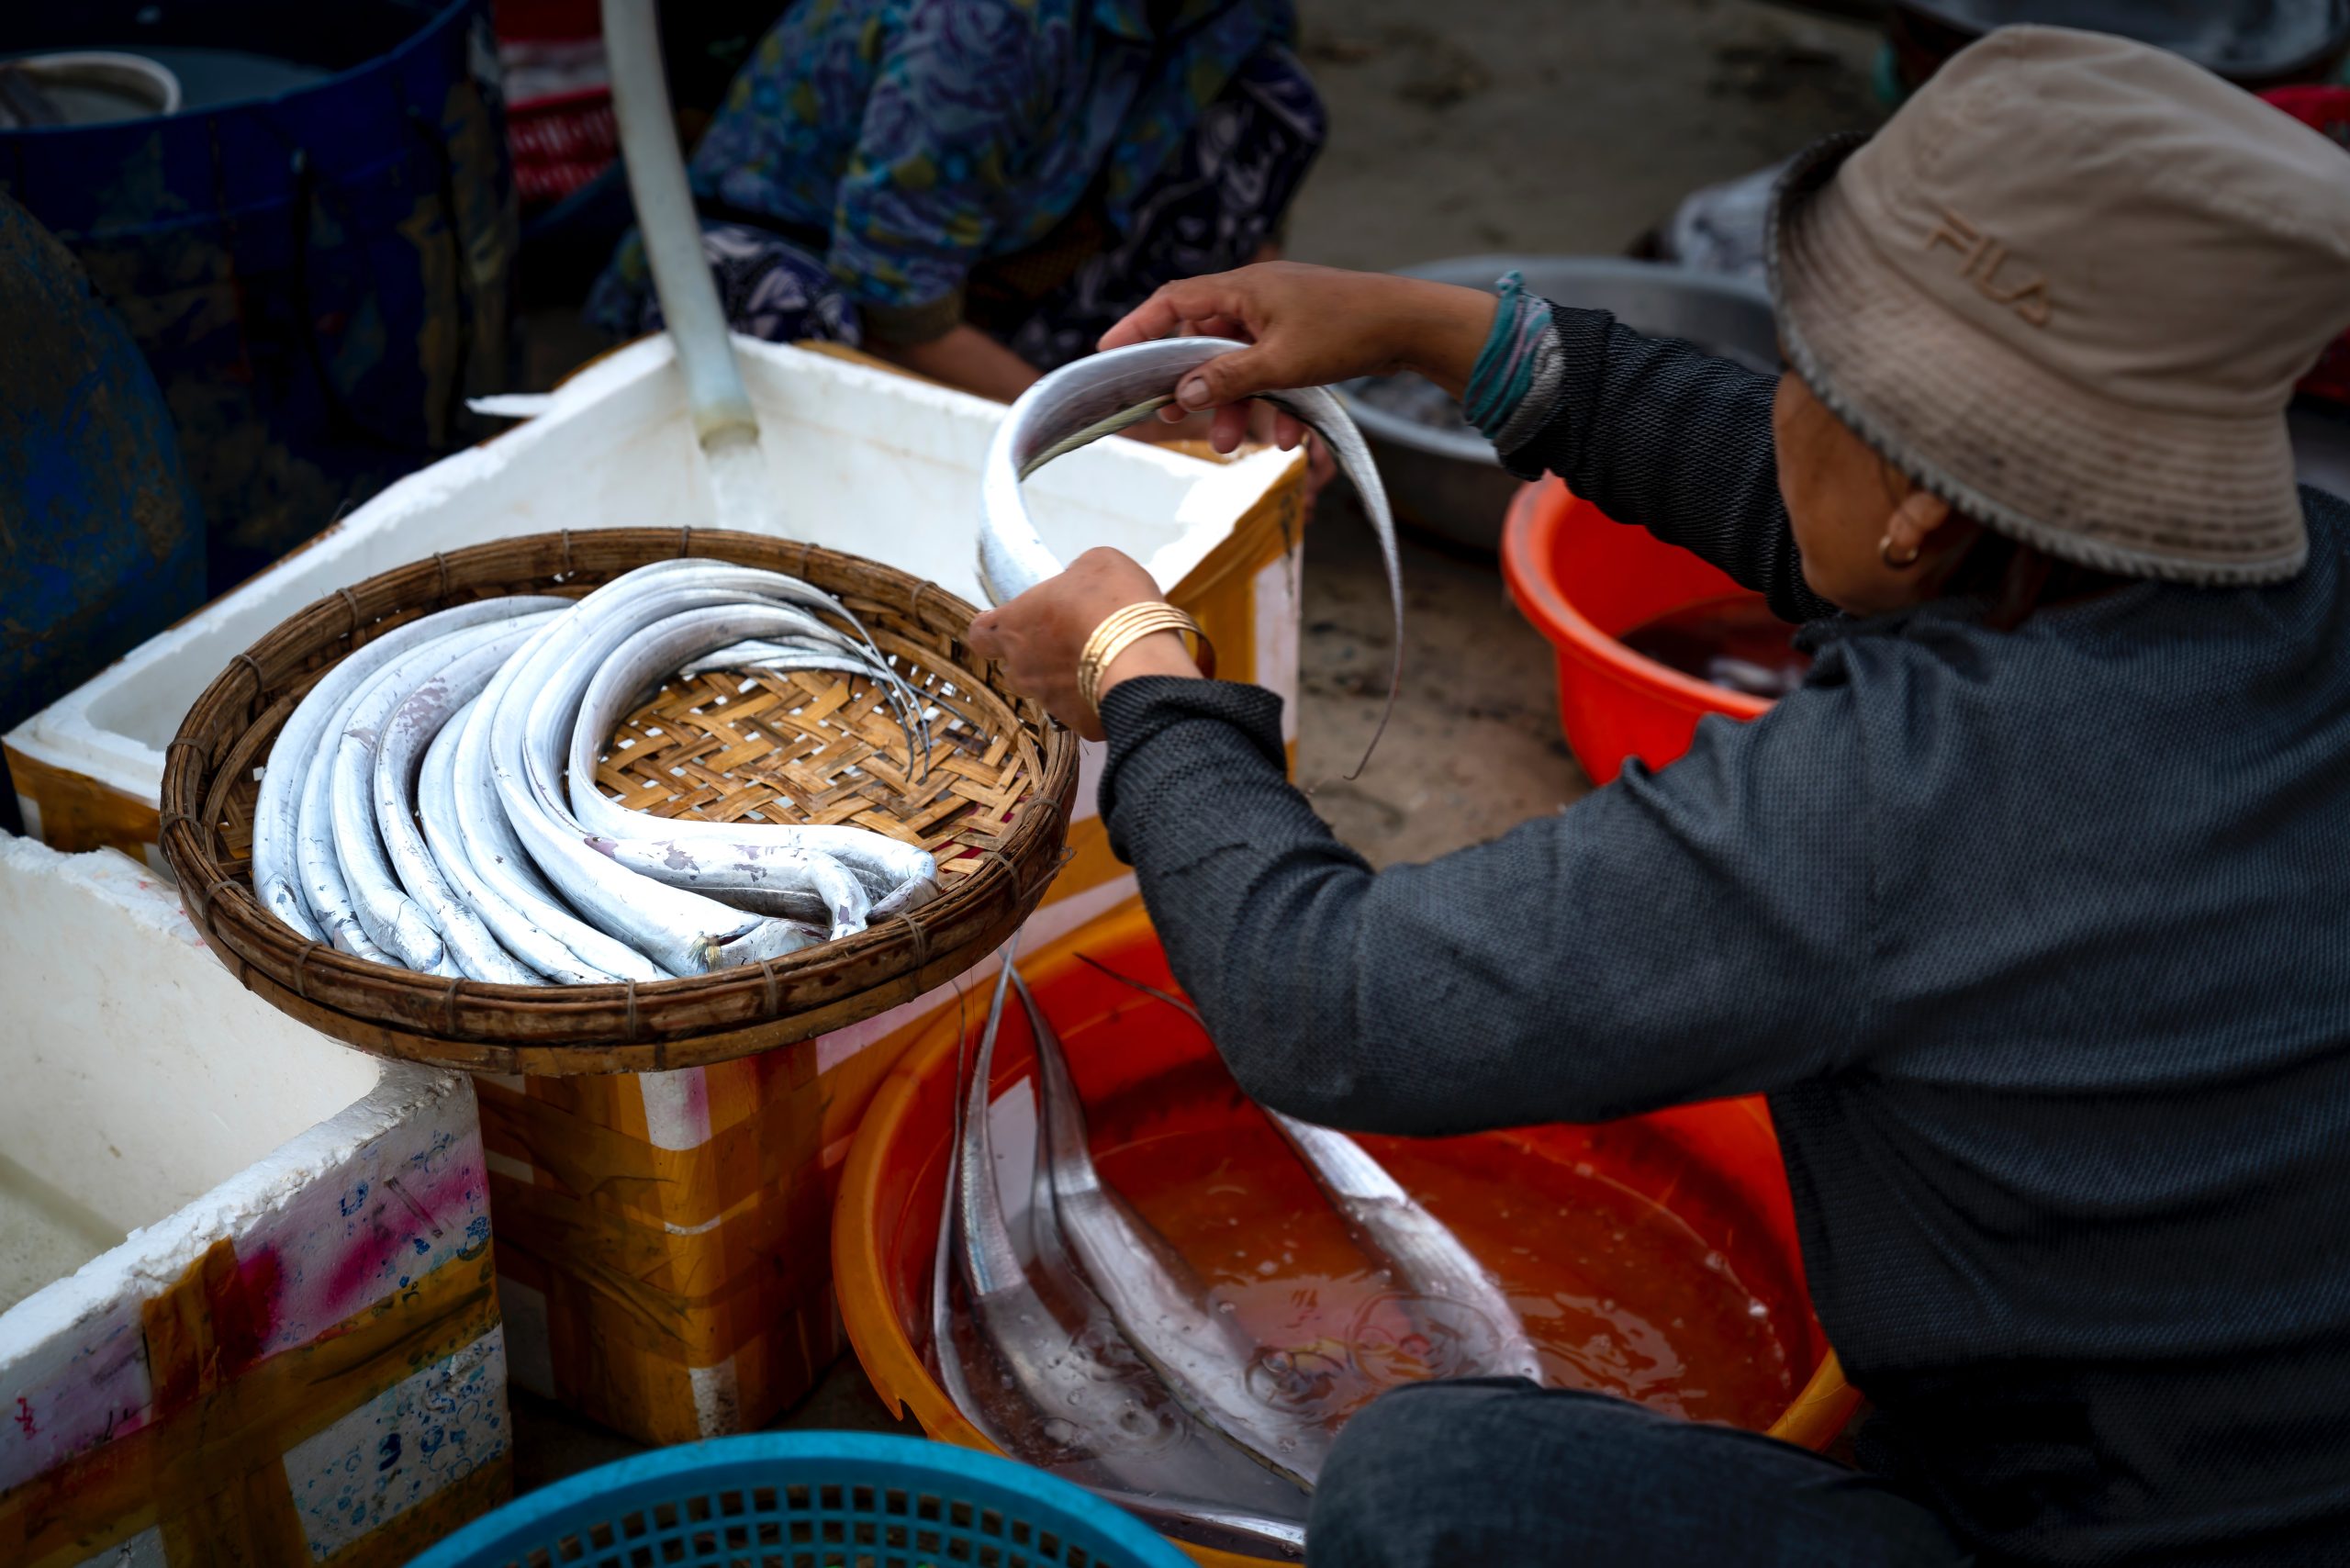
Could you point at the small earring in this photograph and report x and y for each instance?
(1898, 563)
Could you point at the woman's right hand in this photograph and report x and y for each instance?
(1308, 326)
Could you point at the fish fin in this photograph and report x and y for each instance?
(1177, 1003)
(1095, 431)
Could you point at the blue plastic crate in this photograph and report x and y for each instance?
(808, 1500)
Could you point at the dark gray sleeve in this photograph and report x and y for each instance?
(1663, 436)
(1676, 935)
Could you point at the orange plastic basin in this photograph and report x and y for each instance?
(1583, 580)
(1716, 1166)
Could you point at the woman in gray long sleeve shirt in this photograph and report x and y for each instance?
(2028, 910)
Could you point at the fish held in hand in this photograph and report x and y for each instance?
(1104, 393)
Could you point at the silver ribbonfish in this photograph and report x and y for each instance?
(1098, 396)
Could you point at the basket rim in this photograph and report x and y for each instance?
(400, 1012)
(748, 1461)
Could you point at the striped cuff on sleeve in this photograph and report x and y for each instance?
(1515, 387)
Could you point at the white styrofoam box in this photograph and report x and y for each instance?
(151, 1093)
(861, 459)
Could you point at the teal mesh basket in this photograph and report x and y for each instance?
(808, 1500)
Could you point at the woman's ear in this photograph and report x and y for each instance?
(1913, 522)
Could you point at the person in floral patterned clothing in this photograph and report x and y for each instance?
(977, 189)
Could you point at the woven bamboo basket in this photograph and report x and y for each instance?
(993, 807)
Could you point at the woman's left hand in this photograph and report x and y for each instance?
(1038, 637)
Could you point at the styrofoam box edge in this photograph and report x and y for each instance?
(156, 1254)
(950, 428)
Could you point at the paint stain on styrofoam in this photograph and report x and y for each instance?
(396, 1147)
(91, 1389)
(388, 1222)
(401, 1448)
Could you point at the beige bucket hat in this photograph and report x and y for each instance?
(2068, 288)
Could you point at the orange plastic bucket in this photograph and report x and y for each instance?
(1716, 1166)
(1583, 580)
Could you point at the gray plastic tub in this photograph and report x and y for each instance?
(1440, 473)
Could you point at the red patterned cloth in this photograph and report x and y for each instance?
(2327, 109)
(559, 123)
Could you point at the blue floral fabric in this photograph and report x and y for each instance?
(1211, 208)
(768, 286)
(923, 138)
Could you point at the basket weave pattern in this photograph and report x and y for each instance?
(815, 746)
(992, 805)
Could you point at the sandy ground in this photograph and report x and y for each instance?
(1553, 125)
(1568, 126)
(1524, 125)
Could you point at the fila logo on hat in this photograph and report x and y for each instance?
(1981, 259)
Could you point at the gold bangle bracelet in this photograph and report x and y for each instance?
(1095, 658)
(1202, 651)
(1121, 630)
(1117, 631)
